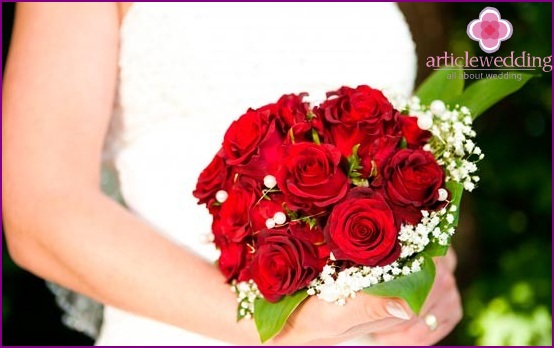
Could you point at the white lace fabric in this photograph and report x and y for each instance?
(188, 69)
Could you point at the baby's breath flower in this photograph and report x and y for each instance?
(247, 293)
(341, 285)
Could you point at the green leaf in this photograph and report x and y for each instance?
(315, 137)
(485, 93)
(360, 182)
(270, 317)
(403, 143)
(412, 288)
(456, 189)
(440, 85)
(354, 167)
(435, 249)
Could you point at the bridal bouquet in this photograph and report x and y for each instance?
(356, 193)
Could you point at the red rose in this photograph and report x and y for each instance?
(415, 136)
(283, 264)
(234, 220)
(374, 155)
(243, 137)
(306, 132)
(360, 104)
(290, 109)
(235, 257)
(211, 180)
(310, 176)
(268, 158)
(356, 116)
(251, 143)
(413, 179)
(362, 229)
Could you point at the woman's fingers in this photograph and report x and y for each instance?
(429, 328)
(440, 314)
(389, 319)
(316, 319)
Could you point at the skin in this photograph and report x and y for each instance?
(58, 93)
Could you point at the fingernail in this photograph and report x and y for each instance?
(397, 311)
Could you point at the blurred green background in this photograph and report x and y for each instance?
(504, 242)
(505, 269)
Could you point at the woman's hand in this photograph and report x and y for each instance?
(321, 323)
(390, 321)
(442, 311)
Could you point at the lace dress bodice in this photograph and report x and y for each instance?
(188, 69)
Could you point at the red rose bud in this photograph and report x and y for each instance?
(243, 137)
(374, 155)
(310, 176)
(415, 136)
(283, 264)
(362, 229)
(251, 143)
(358, 116)
(234, 220)
(413, 179)
(290, 109)
(360, 104)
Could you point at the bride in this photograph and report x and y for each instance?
(148, 90)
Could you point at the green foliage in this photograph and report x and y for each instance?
(512, 319)
(412, 288)
(270, 317)
(456, 190)
(483, 94)
(478, 97)
(439, 86)
(354, 167)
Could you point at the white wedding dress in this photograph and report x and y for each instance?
(188, 69)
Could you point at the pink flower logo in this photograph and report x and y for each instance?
(489, 30)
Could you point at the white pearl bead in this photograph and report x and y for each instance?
(425, 121)
(443, 194)
(437, 107)
(280, 218)
(221, 196)
(270, 181)
(270, 223)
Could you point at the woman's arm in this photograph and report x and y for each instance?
(58, 95)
